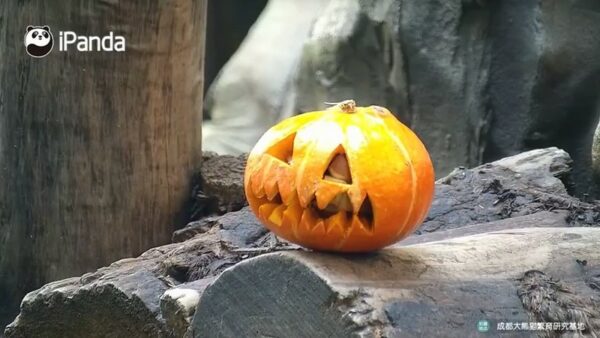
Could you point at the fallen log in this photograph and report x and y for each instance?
(155, 294)
(437, 289)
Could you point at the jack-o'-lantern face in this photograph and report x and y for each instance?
(347, 179)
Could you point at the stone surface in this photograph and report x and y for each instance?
(240, 227)
(519, 185)
(352, 53)
(221, 185)
(433, 289)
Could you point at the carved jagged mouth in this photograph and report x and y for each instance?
(340, 207)
(284, 209)
(342, 204)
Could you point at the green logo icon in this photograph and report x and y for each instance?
(483, 326)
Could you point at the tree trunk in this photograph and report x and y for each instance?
(97, 149)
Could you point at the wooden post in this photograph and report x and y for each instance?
(97, 149)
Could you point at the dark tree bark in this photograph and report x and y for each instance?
(97, 149)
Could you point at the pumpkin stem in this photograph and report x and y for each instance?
(347, 106)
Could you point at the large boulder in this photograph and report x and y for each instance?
(542, 79)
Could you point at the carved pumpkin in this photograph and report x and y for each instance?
(347, 179)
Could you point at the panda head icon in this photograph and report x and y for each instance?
(38, 41)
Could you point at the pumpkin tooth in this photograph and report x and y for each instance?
(286, 190)
(336, 226)
(306, 194)
(270, 186)
(256, 183)
(347, 227)
(326, 193)
(356, 234)
(276, 216)
(265, 210)
(319, 228)
(291, 218)
(307, 221)
(337, 222)
(357, 197)
(291, 200)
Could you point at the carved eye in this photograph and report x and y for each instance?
(35, 34)
(346, 179)
(284, 149)
(45, 34)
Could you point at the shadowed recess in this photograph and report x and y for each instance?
(365, 213)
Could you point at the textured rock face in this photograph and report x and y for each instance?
(351, 53)
(542, 79)
(477, 80)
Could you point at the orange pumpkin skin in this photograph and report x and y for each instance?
(385, 199)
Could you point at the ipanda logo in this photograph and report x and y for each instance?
(39, 42)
